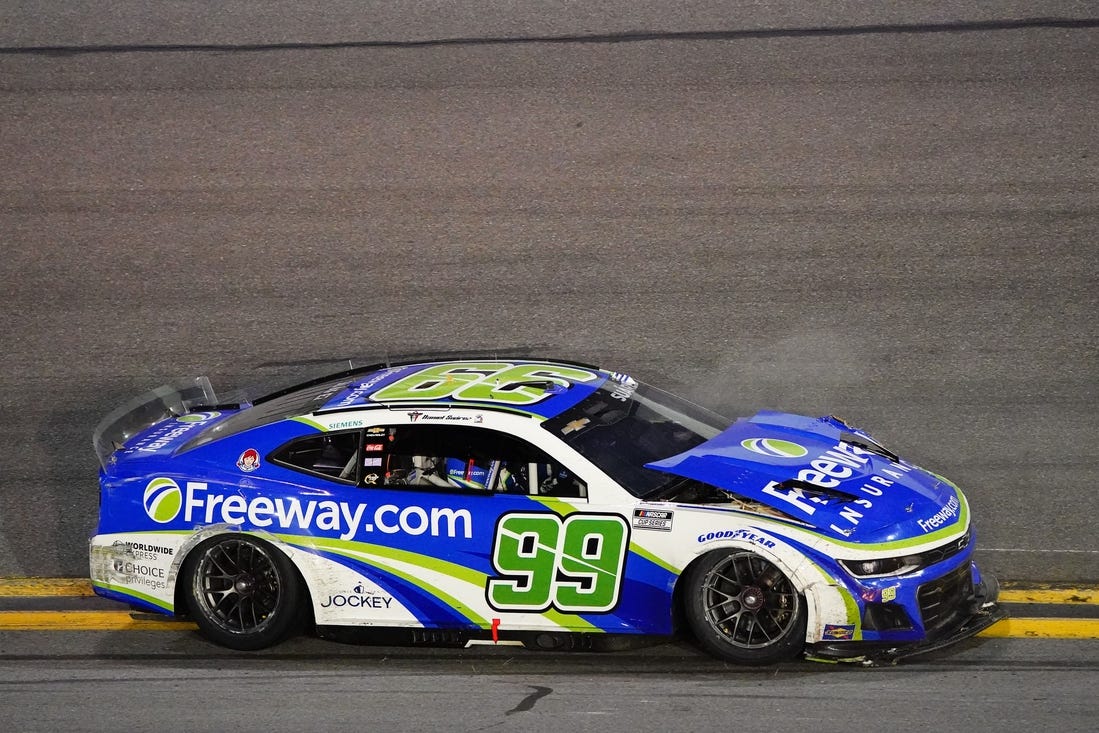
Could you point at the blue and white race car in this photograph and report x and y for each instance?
(547, 503)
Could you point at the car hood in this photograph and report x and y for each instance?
(824, 472)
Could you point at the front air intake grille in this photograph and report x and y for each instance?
(885, 617)
(946, 599)
(944, 552)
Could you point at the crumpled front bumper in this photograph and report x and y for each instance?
(983, 612)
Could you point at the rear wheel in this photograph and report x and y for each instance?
(743, 609)
(242, 592)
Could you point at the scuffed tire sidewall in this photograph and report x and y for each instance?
(790, 646)
(288, 612)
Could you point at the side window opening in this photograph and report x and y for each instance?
(332, 455)
(459, 458)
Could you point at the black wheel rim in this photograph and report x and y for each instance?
(237, 583)
(749, 601)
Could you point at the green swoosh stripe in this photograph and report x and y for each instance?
(358, 550)
(638, 550)
(310, 423)
(170, 608)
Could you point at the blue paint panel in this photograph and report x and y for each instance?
(844, 490)
(428, 609)
(116, 595)
(644, 601)
(360, 388)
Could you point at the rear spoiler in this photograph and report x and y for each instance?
(146, 410)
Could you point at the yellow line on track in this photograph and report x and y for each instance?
(26, 587)
(1010, 593)
(87, 621)
(1012, 628)
(1050, 595)
(1044, 628)
(1018, 628)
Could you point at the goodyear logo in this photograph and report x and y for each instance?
(163, 500)
(775, 448)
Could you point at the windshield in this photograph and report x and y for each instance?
(624, 425)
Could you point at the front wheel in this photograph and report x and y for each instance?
(242, 592)
(743, 609)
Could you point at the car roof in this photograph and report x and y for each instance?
(541, 388)
(533, 387)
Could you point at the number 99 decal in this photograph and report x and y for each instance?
(573, 564)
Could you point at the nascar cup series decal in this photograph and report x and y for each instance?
(660, 519)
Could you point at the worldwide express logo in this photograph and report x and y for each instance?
(165, 502)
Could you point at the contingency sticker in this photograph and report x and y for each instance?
(659, 519)
(839, 632)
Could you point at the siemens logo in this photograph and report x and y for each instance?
(200, 505)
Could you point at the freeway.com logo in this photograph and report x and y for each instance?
(165, 501)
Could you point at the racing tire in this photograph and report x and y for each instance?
(242, 592)
(743, 609)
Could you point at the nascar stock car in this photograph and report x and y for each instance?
(546, 503)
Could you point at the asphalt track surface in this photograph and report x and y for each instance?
(147, 674)
(884, 213)
(889, 219)
(114, 682)
(72, 661)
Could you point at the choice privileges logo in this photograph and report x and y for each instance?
(199, 503)
(775, 448)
